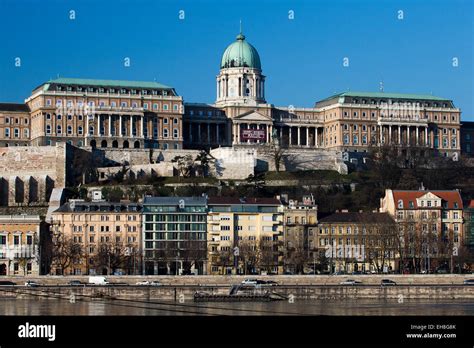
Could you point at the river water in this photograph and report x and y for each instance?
(301, 307)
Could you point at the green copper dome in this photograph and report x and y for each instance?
(240, 54)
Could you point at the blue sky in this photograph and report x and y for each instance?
(302, 58)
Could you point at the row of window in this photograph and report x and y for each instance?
(80, 131)
(16, 240)
(209, 113)
(16, 121)
(113, 104)
(60, 88)
(16, 133)
(93, 229)
(118, 239)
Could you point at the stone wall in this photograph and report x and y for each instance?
(233, 163)
(28, 174)
(302, 159)
(137, 171)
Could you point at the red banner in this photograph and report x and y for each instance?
(253, 134)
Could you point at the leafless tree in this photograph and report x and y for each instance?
(65, 252)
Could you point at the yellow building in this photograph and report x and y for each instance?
(106, 237)
(20, 244)
(357, 242)
(244, 235)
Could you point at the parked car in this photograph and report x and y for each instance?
(468, 282)
(149, 283)
(387, 282)
(31, 283)
(98, 280)
(7, 283)
(75, 283)
(250, 281)
(271, 283)
(350, 282)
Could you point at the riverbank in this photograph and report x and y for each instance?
(185, 293)
(412, 279)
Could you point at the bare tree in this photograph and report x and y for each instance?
(64, 252)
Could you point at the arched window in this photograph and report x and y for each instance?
(165, 133)
(175, 133)
(59, 129)
(91, 130)
(79, 130)
(48, 129)
(69, 129)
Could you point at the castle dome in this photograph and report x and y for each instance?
(240, 54)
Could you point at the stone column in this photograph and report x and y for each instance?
(98, 125)
(120, 125)
(289, 135)
(417, 134)
(307, 136)
(217, 133)
(131, 126)
(299, 136)
(381, 134)
(426, 136)
(390, 134)
(208, 132)
(199, 132)
(141, 126)
(408, 135)
(316, 144)
(110, 125)
(87, 126)
(399, 135)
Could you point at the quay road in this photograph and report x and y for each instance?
(410, 287)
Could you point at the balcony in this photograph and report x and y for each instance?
(18, 251)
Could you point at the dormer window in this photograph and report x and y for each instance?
(456, 206)
(400, 204)
(411, 205)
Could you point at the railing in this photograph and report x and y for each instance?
(18, 251)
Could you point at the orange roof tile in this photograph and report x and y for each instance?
(451, 197)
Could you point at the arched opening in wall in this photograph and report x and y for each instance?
(115, 143)
(103, 143)
(125, 144)
(93, 144)
(3, 269)
(33, 193)
(19, 190)
(49, 186)
(136, 144)
(4, 192)
(104, 271)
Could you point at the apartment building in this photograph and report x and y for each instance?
(245, 235)
(100, 237)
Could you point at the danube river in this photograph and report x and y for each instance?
(302, 307)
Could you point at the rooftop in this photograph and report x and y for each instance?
(98, 206)
(174, 200)
(450, 197)
(242, 201)
(14, 107)
(107, 83)
(384, 95)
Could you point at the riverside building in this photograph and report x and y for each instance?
(245, 235)
(107, 234)
(175, 233)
